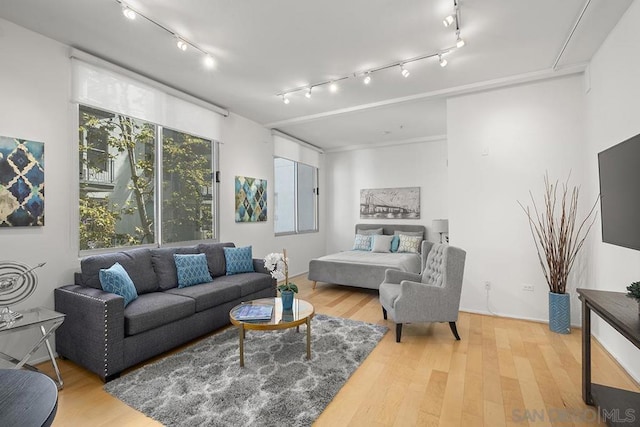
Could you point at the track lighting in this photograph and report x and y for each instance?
(308, 94)
(208, 61)
(459, 40)
(443, 62)
(128, 12)
(182, 45)
(367, 78)
(333, 87)
(448, 20)
(404, 71)
(285, 99)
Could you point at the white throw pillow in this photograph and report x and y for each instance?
(381, 243)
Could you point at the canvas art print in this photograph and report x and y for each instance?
(21, 182)
(390, 203)
(251, 199)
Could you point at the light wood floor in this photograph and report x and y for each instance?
(501, 369)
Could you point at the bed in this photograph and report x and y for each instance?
(366, 269)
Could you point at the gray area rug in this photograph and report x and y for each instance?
(204, 384)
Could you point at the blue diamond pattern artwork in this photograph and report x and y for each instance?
(21, 182)
(251, 199)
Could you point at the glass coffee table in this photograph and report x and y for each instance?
(301, 313)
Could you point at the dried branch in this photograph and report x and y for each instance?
(556, 238)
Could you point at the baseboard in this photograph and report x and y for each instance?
(530, 319)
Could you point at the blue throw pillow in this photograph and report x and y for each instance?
(116, 280)
(238, 260)
(395, 243)
(192, 269)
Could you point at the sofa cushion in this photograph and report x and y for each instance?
(137, 262)
(155, 309)
(165, 266)
(116, 280)
(207, 295)
(238, 260)
(192, 269)
(247, 282)
(215, 257)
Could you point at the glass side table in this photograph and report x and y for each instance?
(44, 319)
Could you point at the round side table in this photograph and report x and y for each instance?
(27, 398)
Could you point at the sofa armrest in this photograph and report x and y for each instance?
(92, 334)
(258, 266)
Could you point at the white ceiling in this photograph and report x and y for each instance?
(264, 47)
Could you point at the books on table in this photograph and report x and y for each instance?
(249, 312)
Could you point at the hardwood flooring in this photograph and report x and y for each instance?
(504, 372)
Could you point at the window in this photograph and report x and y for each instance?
(118, 195)
(296, 198)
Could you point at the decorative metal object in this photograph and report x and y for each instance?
(17, 282)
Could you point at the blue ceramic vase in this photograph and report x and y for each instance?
(560, 313)
(287, 299)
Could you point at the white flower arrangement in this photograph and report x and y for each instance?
(278, 264)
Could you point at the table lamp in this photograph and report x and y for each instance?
(440, 226)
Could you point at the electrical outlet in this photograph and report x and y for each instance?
(528, 288)
(487, 285)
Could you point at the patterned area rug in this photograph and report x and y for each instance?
(204, 384)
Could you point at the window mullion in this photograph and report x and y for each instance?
(157, 202)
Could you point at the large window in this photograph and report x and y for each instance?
(296, 197)
(118, 170)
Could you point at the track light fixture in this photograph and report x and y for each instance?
(128, 12)
(181, 42)
(448, 20)
(285, 99)
(366, 75)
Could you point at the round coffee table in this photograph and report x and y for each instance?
(301, 313)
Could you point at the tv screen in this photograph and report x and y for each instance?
(619, 168)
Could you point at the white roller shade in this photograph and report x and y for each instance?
(99, 87)
(292, 150)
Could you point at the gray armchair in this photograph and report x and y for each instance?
(432, 296)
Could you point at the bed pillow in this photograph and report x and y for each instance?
(191, 269)
(116, 280)
(362, 242)
(369, 231)
(409, 244)
(408, 233)
(381, 243)
(395, 242)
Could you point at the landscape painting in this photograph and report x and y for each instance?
(21, 182)
(390, 203)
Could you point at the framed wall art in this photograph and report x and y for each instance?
(390, 203)
(21, 182)
(251, 199)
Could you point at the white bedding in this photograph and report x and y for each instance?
(402, 261)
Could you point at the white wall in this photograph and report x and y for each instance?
(612, 115)
(35, 81)
(524, 130)
(421, 165)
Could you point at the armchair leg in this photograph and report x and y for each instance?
(314, 284)
(384, 313)
(398, 331)
(454, 329)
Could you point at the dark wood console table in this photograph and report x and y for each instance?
(621, 312)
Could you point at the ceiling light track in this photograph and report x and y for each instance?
(367, 75)
(181, 42)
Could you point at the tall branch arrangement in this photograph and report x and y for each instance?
(554, 231)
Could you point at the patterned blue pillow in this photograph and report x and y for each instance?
(239, 260)
(192, 269)
(362, 242)
(116, 280)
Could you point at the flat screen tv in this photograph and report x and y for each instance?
(619, 168)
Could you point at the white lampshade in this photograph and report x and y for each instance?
(440, 225)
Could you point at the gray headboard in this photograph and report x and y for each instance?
(390, 228)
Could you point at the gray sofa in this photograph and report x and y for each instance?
(103, 336)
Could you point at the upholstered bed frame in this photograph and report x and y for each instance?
(366, 269)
